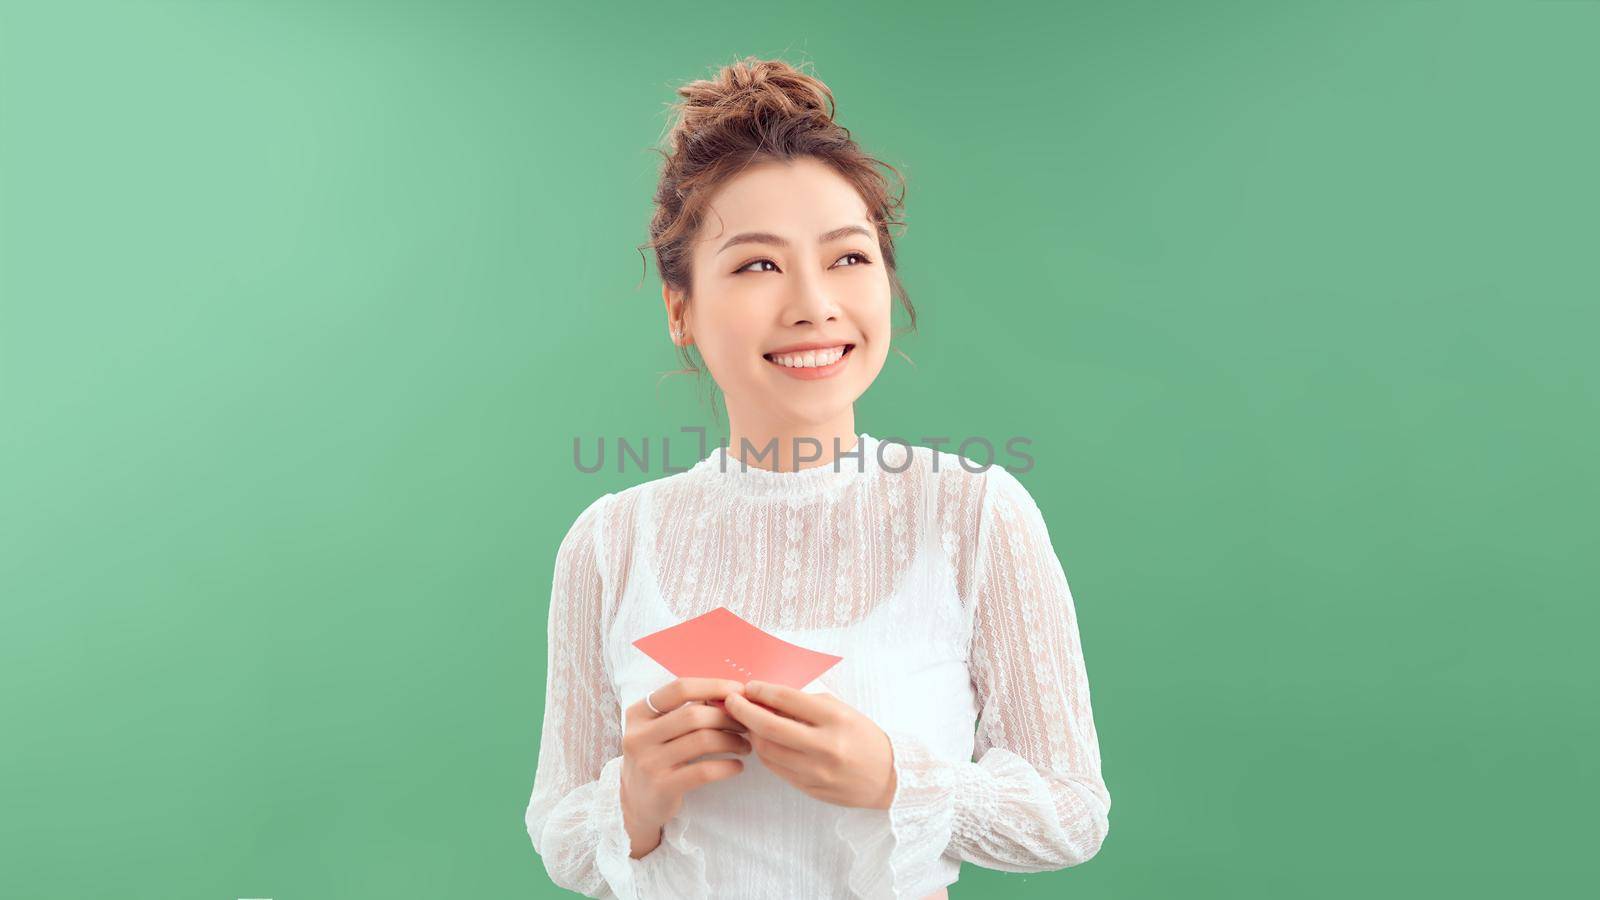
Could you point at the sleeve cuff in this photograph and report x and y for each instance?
(892, 848)
(675, 868)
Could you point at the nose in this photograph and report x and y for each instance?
(810, 303)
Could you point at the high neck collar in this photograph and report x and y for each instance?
(734, 476)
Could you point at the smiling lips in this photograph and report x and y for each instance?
(812, 364)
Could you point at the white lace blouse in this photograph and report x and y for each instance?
(936, 581)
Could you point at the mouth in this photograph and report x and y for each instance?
(811, 364)
(809, 358)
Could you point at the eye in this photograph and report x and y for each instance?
(752, 262)
(746, 266)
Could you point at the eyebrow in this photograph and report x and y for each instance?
(764, 237)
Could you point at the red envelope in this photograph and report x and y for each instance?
(719, 644)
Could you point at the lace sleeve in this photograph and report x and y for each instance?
(1034, 800)
(574, 816)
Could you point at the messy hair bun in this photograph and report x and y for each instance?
(745, 95)
(755, 110)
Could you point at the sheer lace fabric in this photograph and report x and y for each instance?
(933, 577)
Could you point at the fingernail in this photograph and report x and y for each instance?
(753, 687)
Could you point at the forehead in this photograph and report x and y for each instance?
(798, 200)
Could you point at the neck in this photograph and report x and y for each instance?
(793, 447)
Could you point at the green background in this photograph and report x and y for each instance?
(303, 303)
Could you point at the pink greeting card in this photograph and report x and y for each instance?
(719, 644)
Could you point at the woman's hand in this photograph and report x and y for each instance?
(659, 753)
(818, 743)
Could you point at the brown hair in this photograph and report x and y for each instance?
(757, 110)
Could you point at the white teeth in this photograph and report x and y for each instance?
(810, 359)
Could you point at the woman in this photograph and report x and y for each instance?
(932, 577)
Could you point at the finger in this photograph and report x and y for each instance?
(686, 778)
(678, 692)
(684, 690)
(640, 712)
(797, 704)
(703, 742)
(639, 717)
(803, 706)
(794, 776)
(691, 717)
(769, 724)
(781, 754)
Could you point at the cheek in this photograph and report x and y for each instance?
(877, 324)
(729, 348)
(878, 308)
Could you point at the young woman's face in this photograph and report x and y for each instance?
(786, 255)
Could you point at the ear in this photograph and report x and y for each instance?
(673, 300)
